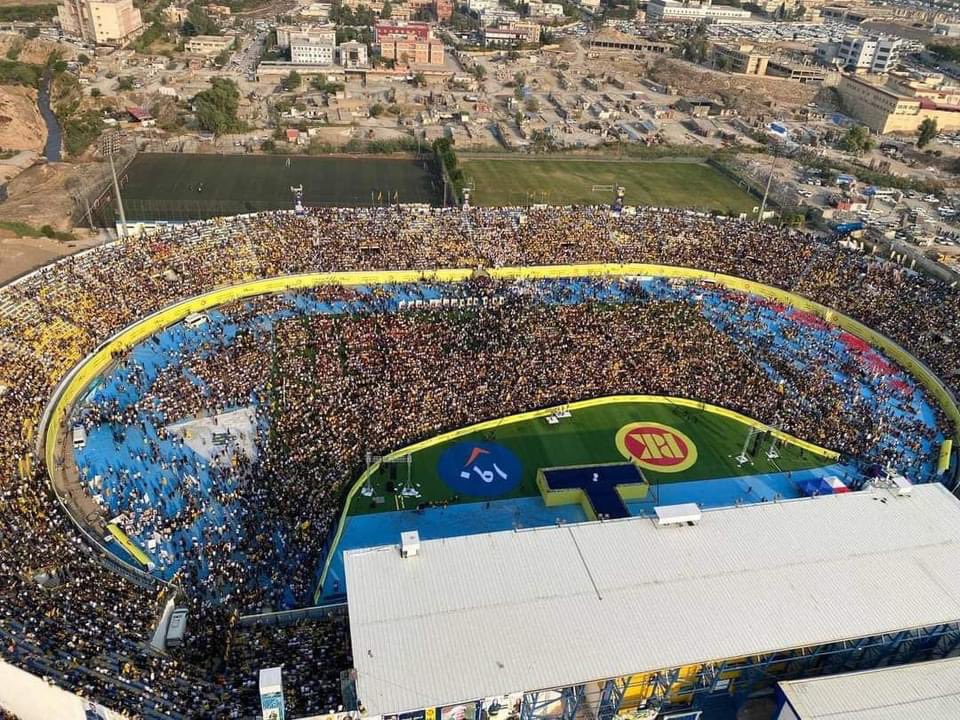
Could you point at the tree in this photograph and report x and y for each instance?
(695, 47)
(928, 131)
(376, 110)
(125, 83)
(419, 80)
(95, 92)
(857, 140)
(83, 59)
(198, 22)
(292, 81)
(216, 107)
(387, 10)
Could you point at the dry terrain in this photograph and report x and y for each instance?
(21, 127)
(21, 255)
(748, 95)
(42, 195)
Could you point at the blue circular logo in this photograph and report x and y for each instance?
(480, 469)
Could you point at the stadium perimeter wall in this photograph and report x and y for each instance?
(75, 384)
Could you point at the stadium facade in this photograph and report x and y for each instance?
(612, 617)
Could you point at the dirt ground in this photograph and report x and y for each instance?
(21, 255)
(749, 95)
(21, 127)
(34, 51)
(42, 195)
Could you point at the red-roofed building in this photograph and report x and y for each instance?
(401, 31)
(141, 116)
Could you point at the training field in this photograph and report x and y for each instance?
(176, 186)
(588, 437)
(517, 181)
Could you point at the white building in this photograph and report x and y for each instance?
(480, 6)
(498, 15)
(545, 9)
(353, 54)
(317, 32)
(660, 11)
(876, 54)
(308, 50)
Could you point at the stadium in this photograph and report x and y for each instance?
(409, 462)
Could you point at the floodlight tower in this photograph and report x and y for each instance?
(109, 146)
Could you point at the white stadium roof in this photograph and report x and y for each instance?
(929, 690)
(484, 615)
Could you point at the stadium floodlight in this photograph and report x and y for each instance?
(773, 452)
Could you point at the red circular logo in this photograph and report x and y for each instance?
(656, 447)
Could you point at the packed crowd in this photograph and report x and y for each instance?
(342, 385)
(86, 629)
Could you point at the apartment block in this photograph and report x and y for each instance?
(103, 22)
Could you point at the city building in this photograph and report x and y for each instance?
(947, 29)
(875, 54)
(652, 611)
(412, 51)
(499, 16)
(742, 59)
(316, 11)
(479, 6)
(314, 32)
(353, 54)
(312, 49)
(518, 33)
(611, 39)
(851, 15)
(385, 29)
(928, 690)
(886, 106)
(545, 9)
(209, 44)
(103, 22)
(661, 11)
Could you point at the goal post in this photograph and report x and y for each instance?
(407, 490)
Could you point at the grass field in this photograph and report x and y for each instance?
(518, 181)
(588, 437)
(175, 186)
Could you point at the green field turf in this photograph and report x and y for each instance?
(588, 437)
(176, 186)
(570, 182)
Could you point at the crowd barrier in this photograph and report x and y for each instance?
(80, 378)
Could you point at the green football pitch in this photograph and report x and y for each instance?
(588, 437)
(517, 181)
(178, 186)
